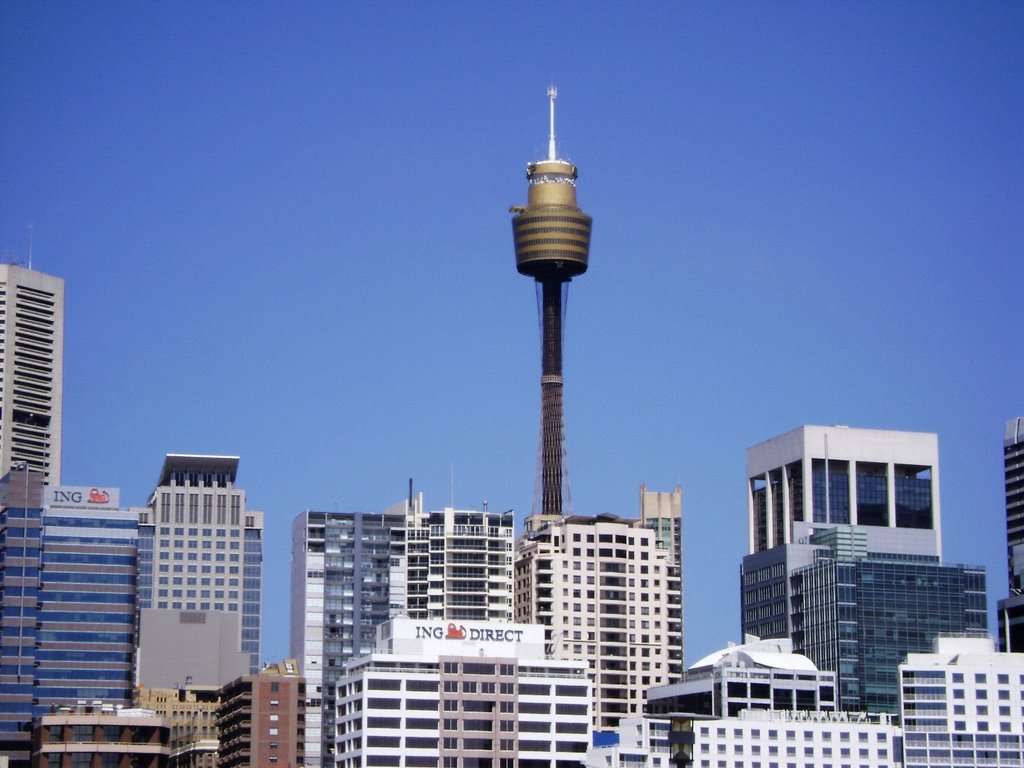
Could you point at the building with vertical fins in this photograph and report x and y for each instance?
(845, 556)
(32, 370)
(552, 241)
(200, 548)
(1010, 611)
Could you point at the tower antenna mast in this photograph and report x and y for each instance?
(552, 95)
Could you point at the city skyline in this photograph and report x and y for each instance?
(806, 215)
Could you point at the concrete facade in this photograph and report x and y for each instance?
(32, 376)
(608, 591)
(182, 648)
(200, 548)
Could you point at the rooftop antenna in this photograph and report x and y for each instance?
(552, 95)
(31, 226)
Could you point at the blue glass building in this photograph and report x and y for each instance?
(20, 538)
(68, 569)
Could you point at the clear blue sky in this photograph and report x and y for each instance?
(285, 234)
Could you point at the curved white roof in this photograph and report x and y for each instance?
(773, 654)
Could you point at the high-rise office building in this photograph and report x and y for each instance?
(845, 556)
(340, 582)
(608, 590)
(200, 548)
(1011, 608)
(68, 568)
(352, 571)
(32, 373)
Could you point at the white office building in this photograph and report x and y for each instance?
(639, 742)
(461, 695)
(765, 738)
(963, 705)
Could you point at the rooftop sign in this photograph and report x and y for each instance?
(81, 497)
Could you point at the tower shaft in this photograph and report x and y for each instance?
(552, 424)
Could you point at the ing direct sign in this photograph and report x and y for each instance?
(453, 631)
(82, 497)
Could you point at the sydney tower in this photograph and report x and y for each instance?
(552, 239)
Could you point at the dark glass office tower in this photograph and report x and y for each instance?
(1011, 608)
(845, 556)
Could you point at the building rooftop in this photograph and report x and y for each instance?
(776, 653)
(186, 462)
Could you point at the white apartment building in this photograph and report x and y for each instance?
(31, 370)
(459, 564)
(608, 591)
(963, 705)
(459, 695)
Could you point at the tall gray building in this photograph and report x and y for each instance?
(1011, 608)
(32, 370)
(200, 548)
(341, 578)
(845, 555)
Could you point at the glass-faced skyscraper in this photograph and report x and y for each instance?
(341, 590)
(845, 555)
(1011, 608)
(68, 570)
(200, 549)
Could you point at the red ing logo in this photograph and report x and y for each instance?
(455, 633)
(96, 496)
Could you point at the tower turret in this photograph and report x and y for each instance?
(552, 241)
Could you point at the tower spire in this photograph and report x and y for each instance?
(552, 95)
